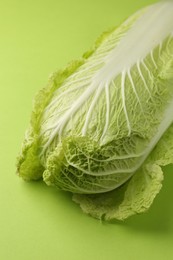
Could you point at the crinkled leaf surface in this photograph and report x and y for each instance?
(137, 195)
(102, 127)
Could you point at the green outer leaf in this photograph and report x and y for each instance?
(28, 164)
(137, 195)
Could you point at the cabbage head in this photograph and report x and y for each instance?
(103, 126)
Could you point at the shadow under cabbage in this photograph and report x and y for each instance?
(160, 215)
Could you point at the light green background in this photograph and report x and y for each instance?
(37, 222)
